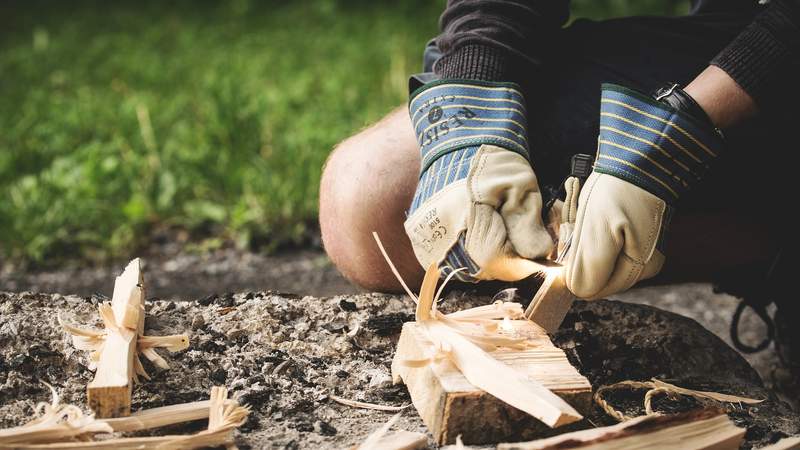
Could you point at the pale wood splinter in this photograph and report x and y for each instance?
(109, 394)
(114, 351)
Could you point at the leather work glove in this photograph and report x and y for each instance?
(650, 152)
(478, 203)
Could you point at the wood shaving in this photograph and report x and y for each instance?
(223, 417)
(55, 422)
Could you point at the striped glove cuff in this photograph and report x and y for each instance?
(449, 115)
(652, 145)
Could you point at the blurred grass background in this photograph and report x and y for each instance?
(118, 119)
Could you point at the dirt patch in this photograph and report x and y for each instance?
(285, 354)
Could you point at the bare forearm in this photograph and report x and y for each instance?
(725, 102)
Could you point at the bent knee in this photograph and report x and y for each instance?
(363, 190)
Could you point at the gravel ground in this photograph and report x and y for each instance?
(176, 274)
(285, 355)
(216, 275)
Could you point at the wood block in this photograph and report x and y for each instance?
(109, 394)
(451, 406)
(694, 430)
(551, 302)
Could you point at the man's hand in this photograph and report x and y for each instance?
(649, 153)
(478, 204)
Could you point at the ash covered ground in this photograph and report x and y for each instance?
(284, 355)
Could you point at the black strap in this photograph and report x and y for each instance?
(761, 312)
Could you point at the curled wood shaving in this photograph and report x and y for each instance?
(365, 405)
(54, 422)
(655, 387)
(93, 341)
(66, 427)
(479, 325)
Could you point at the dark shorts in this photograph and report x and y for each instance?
(643, 53)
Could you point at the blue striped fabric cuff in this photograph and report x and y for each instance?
(651, 144)
(449, 115)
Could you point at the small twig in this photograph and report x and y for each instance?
(365, 405)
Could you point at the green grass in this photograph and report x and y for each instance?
(211, 117)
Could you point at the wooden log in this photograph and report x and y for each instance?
(707, 429)
(109, 393)
(161, 416)
(790, 443)
(551, 302)
(451, 406)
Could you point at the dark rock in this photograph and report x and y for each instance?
(226, 301)
(252, 424)
(347, 305)
(388, 324)
(256, 396)
(211, 346)
(303, 426)
(324, 428)
(219, 375)
(207, 300)
(336, 326)
(20, 363)
(274, 356)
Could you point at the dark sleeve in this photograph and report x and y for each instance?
(765, 58)
(497, 40)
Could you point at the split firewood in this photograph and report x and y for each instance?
(552, 301)
(161, 416)
(790, 443)
(224, 416)
(695, 430)
(114, 351)
(463, 340)
(380, 439)
(55, 422)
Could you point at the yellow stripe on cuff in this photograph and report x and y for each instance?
(622, 161)
(652, 116)
(653, 130)
(645, 141)
(655, 163)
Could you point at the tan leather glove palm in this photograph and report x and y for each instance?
(614, 242)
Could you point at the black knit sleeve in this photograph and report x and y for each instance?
(497, 40)
(765, 58)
